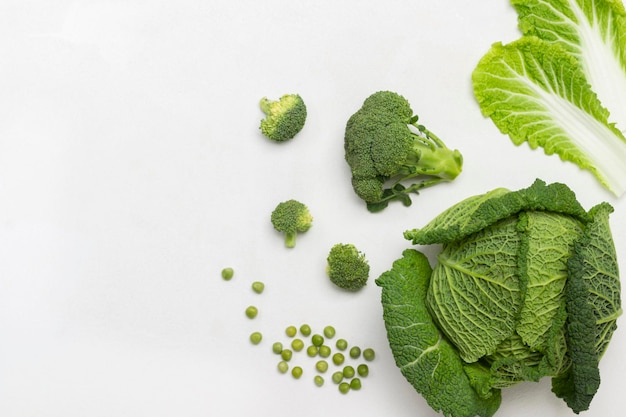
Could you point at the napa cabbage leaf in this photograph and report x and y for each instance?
(562, 85)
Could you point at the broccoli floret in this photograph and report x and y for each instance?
(291, 217)
(391, 155)
(347, 267)
(284, 117)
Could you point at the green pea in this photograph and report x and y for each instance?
(329, 332)
(256, 338)
(369, 354)
(321, 366)
(277, 347)
(338, 358)
(227, 273)
(341, 344)
(283, 367)
(363, 370)
(348, 371)
(355, 384)
(355, 352)
(337, 377)
(286, 354)
(291, 331)
(305, 329)
(317, 340)
(296, 372)
(344, 387)
(324, 351)
(318, 380)
(312, 351)
(258, 287)
(252, 312)
(297, 345)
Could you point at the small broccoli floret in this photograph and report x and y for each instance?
(391, 155)
(347, 267)
(284, 117)
(291, 217)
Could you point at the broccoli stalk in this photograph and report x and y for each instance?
(386, 149)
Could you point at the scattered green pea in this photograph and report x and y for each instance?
(297, 345)
(283, 367)
(291, 331)
(312, 351)
(321, 366)
(369, 354)
(277, 348)
(258, 287)
(296, 372)
(344, 387)
(341, 344)
(348, 371)
(324, 351)
(337, 377)
(338, 358)
(286, 354)
(256, 338)
(252, 312)
(317, 340)
(355, 384)
(363, 370)
(227, 273)
(305, 330)
(329, 332)
(355, 352)
(318, 380)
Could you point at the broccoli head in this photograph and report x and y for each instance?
(347, 267)
(390, 155)
(291, 217)
(284, 117)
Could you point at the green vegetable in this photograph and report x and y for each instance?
(297, 345)
(337, 377)
(348, 371)
(258, 287)
(312, 351)
(256, 338)
(346, 267)
(296, 372)
(338, 358)
(305, 329)
(227, 273)
(286, 354)
(386, 148)
(252, 312)
(321, 366)
(291, 331)
(329, 332)
(290, 218)
(284, 117)
(355, 384)
(283, 367)
(369, 354)
(317, 340)
(324, 351)
(355, 352)
(344, 387)
(341, 344)
(526, 286)
(277, 348)
(363, 370)
(562, 86)
(318, 380)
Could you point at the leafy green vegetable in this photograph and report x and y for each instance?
(525, 286)
(562, 85)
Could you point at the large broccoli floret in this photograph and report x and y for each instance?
(291, 217)
(284, 117)
(347, 267)
(391, 155)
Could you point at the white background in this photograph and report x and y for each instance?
(132, 171)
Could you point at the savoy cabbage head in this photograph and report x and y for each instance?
(526, 286)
